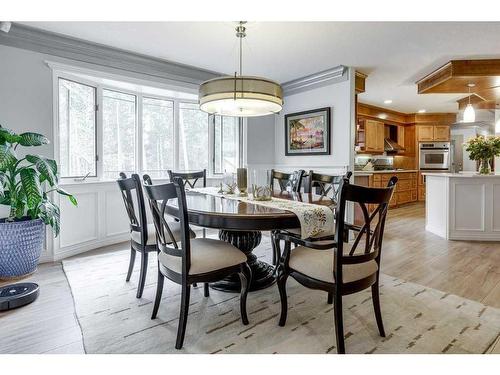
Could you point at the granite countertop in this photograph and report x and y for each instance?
(461, 175)
(369, 173)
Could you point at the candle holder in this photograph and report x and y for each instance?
(241, 180)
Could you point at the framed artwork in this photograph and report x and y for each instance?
(308, 132)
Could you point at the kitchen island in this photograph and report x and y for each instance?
(463, 206)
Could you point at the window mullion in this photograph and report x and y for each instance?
(99, 135)
(139, 132)
(176, 135)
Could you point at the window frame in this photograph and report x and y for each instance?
(239, 140)
(139, 162)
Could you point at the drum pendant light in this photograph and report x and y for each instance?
(469, 113)
(241, 96)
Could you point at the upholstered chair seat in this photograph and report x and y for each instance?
(318, 264)
(206, 255)
(174, 226)
(298, 232)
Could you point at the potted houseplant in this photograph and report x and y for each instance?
(483, 149)
(25, 186)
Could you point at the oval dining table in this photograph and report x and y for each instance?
(241, 224)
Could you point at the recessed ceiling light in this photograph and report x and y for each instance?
(421, 111)
(387, 101)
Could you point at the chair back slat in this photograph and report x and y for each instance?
(189, 178)
(325, 183)
(370, 233)
(293, 180)
(159, 196)
(163, 231)
(129, 188)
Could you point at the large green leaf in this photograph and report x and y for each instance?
(3, 183)
(46, 167)
(33, 139)
(50, 215)
(7, 135)
(31, 187)
(69, 195)
(7, 156)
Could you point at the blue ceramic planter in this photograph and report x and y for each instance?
(21, 244)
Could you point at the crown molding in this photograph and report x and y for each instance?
(33, 39)
(323, 78)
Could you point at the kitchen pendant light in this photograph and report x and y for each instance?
(241, 96)
(469, 113)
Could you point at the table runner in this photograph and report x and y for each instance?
(315, 220)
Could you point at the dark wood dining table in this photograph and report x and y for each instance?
(241, 224)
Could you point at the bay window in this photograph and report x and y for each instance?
(104, 130)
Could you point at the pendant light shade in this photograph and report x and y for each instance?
(241, 96)
(469, 113)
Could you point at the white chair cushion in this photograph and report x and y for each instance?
(318, 264)
(206, 255)
(298, 232)
(174, 226)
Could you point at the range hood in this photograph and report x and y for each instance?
(392, 146)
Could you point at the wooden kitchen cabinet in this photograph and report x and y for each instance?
(442, 133)
(421, 187)
(409, 142)
(374, 136)
(425, 133)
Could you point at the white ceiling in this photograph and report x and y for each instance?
(394, 55)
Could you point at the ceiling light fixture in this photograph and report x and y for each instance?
(469, 113)
(422, 111)
(241, 96)
(387, 101)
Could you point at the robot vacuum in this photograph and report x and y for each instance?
(17, 295)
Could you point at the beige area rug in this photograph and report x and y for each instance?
(417, 319)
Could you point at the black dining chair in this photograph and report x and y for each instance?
(324, 184)
(142, 236)
(196, 260)
(286, 181)
(341, 266)
(191, 179)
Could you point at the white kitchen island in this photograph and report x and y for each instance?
(463, 206)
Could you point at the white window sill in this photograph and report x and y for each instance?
(89, 181)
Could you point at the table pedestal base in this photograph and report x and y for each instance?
(262, 273)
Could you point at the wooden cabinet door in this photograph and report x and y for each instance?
(409, 140)
(374, 136)
(380, 136)
(442, 133)
(425, 132)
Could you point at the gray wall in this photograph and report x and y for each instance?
(260, 142)
(26, 94)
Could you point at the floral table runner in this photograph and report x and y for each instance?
(315, 220)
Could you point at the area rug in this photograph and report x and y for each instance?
(417, 319)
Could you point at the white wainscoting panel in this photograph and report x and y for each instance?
(116, 221)
(79, 224)
(469, 202)
(496, 208)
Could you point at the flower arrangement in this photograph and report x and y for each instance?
(483, 149)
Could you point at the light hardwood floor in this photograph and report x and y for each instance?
(467, 269)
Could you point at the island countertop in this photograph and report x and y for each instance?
(460, 175)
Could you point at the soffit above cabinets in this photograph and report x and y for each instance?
(453, 78)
